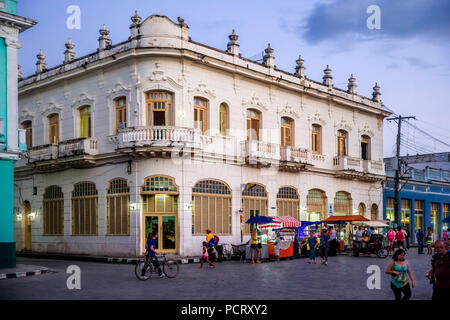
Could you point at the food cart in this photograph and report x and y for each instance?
(287, 226)
(345, 234)
(262, 235)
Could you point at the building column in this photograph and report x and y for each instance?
(7, 244)
(426, 214)
(12, 94)
(439, 219)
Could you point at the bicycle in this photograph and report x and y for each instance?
(169, 267)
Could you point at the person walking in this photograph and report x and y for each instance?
(405, 239)
(333, 241)
(419, 238)
(399, 238)
(359, 236)
(439, 275)
(390, 238)
(445, 236)
(205, 256)
(277, 247)
(312, 243)
(150, 254)
(400, 270)
(429, 241)
(324, 246)
(210, 242)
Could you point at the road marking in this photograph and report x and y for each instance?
(21, 274)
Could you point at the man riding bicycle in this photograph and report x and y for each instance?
(151, 253)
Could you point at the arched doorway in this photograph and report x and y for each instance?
(254, 203)
(362, 209)
(316, 205)
(374, 212)
(160, 212)
(26, 207)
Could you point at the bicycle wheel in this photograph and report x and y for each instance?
(171, 268)
(140, 267)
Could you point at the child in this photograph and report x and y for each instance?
(205, 256)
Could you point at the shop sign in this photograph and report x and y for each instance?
(330, 209)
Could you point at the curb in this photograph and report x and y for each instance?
(23, 274)
(98, 259)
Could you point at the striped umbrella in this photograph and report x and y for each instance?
(281, 222)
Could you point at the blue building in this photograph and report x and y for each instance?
(12, 139)
(424, 197)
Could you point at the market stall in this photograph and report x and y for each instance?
(287, 226)
(262, 236)
(345, 234)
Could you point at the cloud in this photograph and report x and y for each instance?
(346, 20)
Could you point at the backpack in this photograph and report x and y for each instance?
(216, 240)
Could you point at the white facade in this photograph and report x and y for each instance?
(161, 56)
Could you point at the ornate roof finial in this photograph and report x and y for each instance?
(41, 64)
(376, 93)
(181, 21)
(327, 78)
(69, 54)
(233, 45)
(300, 68)
(351, 85)
(103, 41)
(269, 58)
(136, 19)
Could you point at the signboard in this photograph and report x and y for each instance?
(330, 209)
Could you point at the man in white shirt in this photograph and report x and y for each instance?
(359, 236)
(333, 243)
(404, 241)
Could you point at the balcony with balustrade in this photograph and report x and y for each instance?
(260, 153)
(78, 152)
(294, 159)
(373, 167)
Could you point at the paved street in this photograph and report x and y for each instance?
(344, 278)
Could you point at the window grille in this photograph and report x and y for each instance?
(53, 211)
(118, 207)
(84, 209)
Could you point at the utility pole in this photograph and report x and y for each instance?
(397, 171)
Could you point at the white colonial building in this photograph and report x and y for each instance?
(160, 132)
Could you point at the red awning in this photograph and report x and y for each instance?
(348, 218)
(281, 222)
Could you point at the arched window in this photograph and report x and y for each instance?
(53, 211)
(159, 108)
(316, 205)
(316, 139)
(159, 195)
(53, 128)
(211, 201)
(254, 203)
(342, 143)
(120, 104)
(28, 127)
(288, 202)
(365, 147)
(118, 208)
(287, 132)
(253, 124)
(223, 119)
(374, 212)
(342, 203)
(85, 121)
(361, 209)
(84, 209)
(201, 114)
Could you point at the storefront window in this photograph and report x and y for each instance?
(405, 212)
(445, 214)
(433, 217)
(390, 215)
(418, 215)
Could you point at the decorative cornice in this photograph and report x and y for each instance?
(27, 115)
(82, 100)
(316, 118)
(366, 131)
(118, 89)
(254, 102)
(53, 108)
(343, 124)
(289, 112)
(203, 91)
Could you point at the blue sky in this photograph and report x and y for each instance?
(408, 56)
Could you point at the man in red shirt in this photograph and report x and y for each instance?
(400, 238)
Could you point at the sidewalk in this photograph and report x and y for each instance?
(22, 270)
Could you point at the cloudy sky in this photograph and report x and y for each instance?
(408, 56)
